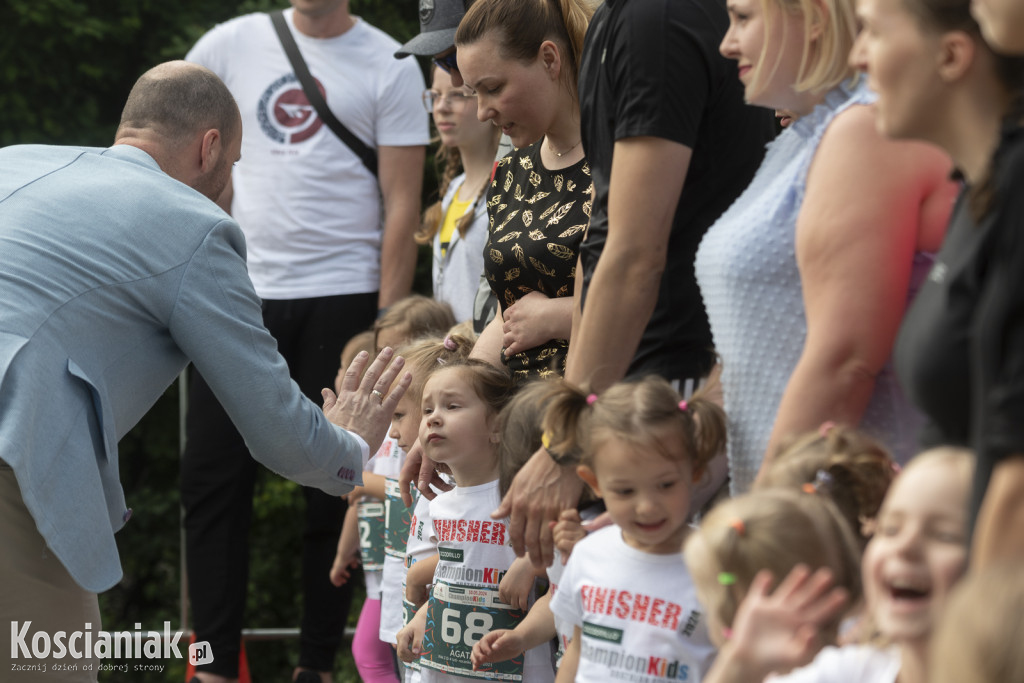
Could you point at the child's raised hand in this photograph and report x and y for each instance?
(568, 531)
(779, 630)
(496, 646)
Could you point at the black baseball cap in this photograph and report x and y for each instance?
(438, 21)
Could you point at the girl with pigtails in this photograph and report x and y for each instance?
(522, 61)
(625, 588)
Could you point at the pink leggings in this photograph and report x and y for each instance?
(375, 659)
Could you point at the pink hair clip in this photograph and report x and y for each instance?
(825, 428)
(591, 399)
(450, 344)
(683, 405)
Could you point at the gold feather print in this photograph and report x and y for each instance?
(496, 257)
(534, 178)
(527, 217)
(561, 251)
(526, 163)
(560, 214)
(508, 180)
(559, 181)
(511, 274)
(536, 235)
(517, 251)
(572, 231)
(541, 268)
(510, 236)
(537, 197)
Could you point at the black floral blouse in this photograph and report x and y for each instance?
(537, 220)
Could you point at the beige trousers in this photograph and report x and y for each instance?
(35, 587)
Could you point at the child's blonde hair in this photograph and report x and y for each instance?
(364, 341)
(841, 463)
(418, 315)
(423, 356)
(577, 422)
(773, 529)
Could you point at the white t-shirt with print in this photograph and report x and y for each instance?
(847, 664)
(639, 613)
(474, 553)
(309, 208)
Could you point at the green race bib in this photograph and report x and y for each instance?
(372, 533)
(458, 617)
(398, 518)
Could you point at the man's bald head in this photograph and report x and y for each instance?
(176, 101)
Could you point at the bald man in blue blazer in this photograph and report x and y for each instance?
(116, 270)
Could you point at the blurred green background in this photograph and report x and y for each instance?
(67, 67)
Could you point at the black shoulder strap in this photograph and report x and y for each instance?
(367, 155)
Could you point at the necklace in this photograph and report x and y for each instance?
(562, 154)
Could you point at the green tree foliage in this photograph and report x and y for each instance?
(66, 67)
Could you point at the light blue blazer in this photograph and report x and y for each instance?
(113, 276)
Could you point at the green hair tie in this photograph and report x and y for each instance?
(726, 578)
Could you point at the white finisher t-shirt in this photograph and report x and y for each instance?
(309, 208)
(847, 664)
(474, 553)
(639, 613)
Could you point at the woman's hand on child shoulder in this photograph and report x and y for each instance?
(496, 646)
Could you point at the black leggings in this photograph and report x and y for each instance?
(217, 479)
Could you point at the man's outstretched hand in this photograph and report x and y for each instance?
(539, 493)
(364, 406)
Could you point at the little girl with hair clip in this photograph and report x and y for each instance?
(844, 464)
(625, 588)
(459, 428)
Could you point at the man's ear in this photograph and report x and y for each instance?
(210, 150)
(956, 55)
(589, 478)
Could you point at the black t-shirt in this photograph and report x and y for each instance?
(960, 350)
(537, 219)
(652, 68)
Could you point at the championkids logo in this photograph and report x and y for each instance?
(87, 644)
(284, 112)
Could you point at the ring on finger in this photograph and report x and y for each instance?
(378, 395)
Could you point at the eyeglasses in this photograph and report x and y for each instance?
(455, 99)
(447, 63)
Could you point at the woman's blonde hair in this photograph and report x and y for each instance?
(841, 463)
(830, 28)
(522, 25)
(773, 529)
(635, 411)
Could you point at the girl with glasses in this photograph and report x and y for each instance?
(456, 225)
